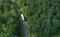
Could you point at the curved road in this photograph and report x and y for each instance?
(21, 18)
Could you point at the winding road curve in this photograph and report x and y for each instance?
(21, 18)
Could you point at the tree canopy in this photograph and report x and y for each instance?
(42, 18)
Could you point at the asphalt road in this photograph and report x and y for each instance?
(21, 18)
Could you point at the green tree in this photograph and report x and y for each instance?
(10, 25)
(42, 17)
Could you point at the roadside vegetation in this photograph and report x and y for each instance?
(42, 18)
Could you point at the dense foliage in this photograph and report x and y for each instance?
(42, 18)
(10, 25)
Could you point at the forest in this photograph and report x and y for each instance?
(42, 18)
